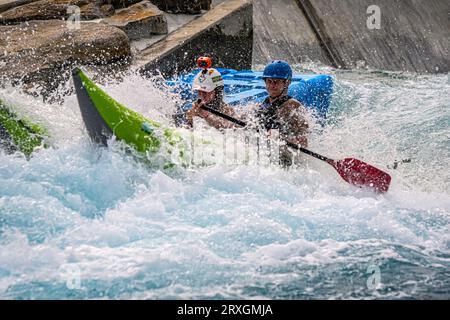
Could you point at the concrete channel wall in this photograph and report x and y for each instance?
(281, 31)
(413, 35)
(225, 33)
(409, 35)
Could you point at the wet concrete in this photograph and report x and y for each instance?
(412, 35)
(281, 31)
(224, 33)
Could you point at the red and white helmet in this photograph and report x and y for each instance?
(207, 80)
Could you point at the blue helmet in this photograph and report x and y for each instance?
(278, 69)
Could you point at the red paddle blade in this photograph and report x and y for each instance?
(362, 174)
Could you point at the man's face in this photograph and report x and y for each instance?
(206, 97)
(275, 87)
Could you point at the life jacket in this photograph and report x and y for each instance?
(267, 114)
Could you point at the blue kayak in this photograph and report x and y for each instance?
(245, 87)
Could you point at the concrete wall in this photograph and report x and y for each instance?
(414, 34)
(281, 31)
(224, 33)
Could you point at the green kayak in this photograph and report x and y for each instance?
(104, 117)
(18, 133)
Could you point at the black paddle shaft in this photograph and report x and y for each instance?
(244, 124)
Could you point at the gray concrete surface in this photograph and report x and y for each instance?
(413, 34)
(282, 32)
(224, 33)
(174, 22)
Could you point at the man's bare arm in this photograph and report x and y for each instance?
(295, 116)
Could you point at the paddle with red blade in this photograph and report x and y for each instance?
(353, 171)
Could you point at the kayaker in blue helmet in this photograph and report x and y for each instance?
(279, 114)
(209, 85)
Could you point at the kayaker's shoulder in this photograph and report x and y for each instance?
(293, 104)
